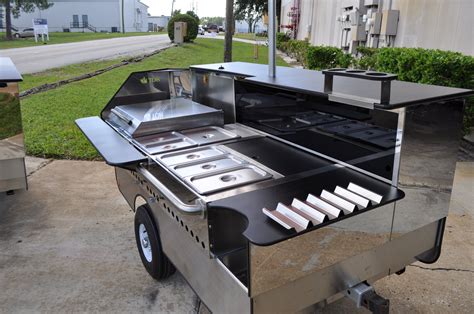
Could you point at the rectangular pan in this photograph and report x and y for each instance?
(218, 164)
(226, 179)
(156, 139)
(317, 119)
(169, 146)
(209, 135)
(190, 155)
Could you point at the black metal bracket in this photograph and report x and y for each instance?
(432, 255)
(385, 80)
(375, 303)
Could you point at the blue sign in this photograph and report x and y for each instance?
(40, 22)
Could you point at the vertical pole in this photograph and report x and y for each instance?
(271, 38)
(229, 29)
(172, 7)
(123, 18)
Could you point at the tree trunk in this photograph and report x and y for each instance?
(229, 20)
(8, 19)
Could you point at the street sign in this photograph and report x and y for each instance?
(40, 28)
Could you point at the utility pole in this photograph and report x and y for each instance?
(229, 29)
(172, 7)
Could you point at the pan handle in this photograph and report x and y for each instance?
(197, 208)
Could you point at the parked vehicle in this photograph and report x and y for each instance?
(221, 29)
(213, 28)
(27, 32)
(201, 30)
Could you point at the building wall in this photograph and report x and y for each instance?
(102, 14)
(136, 16)
(436, 24)
(159, 21)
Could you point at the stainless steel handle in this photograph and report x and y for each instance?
(198, 207)
(122, 116)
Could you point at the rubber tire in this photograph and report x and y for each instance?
(17, 35)
(160, 266)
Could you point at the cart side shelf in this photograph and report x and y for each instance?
(262, 230)
(115, 149)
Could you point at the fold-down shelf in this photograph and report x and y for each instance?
(280, 212)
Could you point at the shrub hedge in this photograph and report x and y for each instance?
(325, 57)
(192, 27)
(426, 66)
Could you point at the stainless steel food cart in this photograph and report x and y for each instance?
(270, 194)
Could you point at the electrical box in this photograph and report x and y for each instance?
(376, 22)
(180, 29)
(389, 22)
(358, 33)
(354, 17)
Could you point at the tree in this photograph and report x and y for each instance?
(250, 11)
(217, 20)
(229, 28)
(176, 12)
(193, 14)
(15, 7)
(192, 26)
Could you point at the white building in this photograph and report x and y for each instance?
(155, 23)
(90, 16)
(445, 25)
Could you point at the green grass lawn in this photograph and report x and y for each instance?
(48, 118)
(10, 123)
(63, 73)
(61, 38)
(249, 36)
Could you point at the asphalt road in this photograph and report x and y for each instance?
(40, 58)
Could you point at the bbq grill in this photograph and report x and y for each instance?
(275, 193)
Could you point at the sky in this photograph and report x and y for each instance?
(203, 7)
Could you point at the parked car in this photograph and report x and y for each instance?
(213, 28)
(201, 30)
(27, 32)
(221, 29)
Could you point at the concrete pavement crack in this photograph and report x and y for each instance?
(41, 166)
(443, 269)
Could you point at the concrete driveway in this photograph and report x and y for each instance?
(40, 58)
(67, 245)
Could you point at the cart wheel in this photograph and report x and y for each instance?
(155, 261)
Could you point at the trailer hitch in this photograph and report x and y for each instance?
(364, 295)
